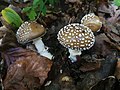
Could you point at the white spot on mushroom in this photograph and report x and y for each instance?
(78, 43)
(83, 34)
(72, 30)
(74, 40)
(69, 37)
(76, 36)
(82, 42)
(88, 41)
(82, 38)
(67, 40)
(87, 37)
(85, 40)
(84, 48)
(80, 35)
(66, 35)
(70, 34)
(82, 45)
(71, 43)
(73, 34)
(86, 34)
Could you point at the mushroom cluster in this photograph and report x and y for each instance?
(92, 21)
(76, 37)
(32, 31)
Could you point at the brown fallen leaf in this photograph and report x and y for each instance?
(117, 70)
(27, 72)
(90, 66)
(8, 41)
(63, 82)
(3, 30)
(101, 48)
(106, 83)
(90, 79)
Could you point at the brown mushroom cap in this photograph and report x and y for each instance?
(76, 36)
(29, 31)
(92, 21)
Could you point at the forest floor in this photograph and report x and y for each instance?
(95, 69)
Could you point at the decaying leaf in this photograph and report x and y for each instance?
(28, 72)
(117, 70)
(74, 1)
(90, 66)
(107, 84)
(111, 11)
(63, 82)
(3, 30)
(100, 47)
(66, 82)
(90, 63)
(9, 40)
(90, 79)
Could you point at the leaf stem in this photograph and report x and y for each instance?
(40, 11)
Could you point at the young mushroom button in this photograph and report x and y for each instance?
(76, 37)
(92, 21)
(32, 31)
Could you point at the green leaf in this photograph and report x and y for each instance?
(26, 9)
(51, 2)
(117, 2)
(44, 10)
(11, 17)
(42, 4)
(32, 15)
(37, 8)
(36, 2)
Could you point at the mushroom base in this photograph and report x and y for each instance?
(73, 54)
(41, 48)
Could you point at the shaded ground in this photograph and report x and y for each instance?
(96, 69)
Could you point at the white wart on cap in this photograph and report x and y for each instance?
(29, 31)
(76, 36)
(92, 21)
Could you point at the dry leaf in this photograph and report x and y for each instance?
(90, 66)
(117, 70)
(3, 30)
(101, 48)
(28, 72)
(90, 79)
(106, 84)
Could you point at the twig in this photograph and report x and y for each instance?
(115, 33)
(114, 45)
(111, 39)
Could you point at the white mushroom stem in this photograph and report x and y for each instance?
(41, 48)
(73, 54)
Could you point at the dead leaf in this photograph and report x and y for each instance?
(9, 40)
(101, 48)
(107, 84)
(112, 11)
(90, 79)
(90, 66)
(28, 72)
(117, 70)
(3, 31)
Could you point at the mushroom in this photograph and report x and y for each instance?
(76, 37)
(92, 21)
(32, 31)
